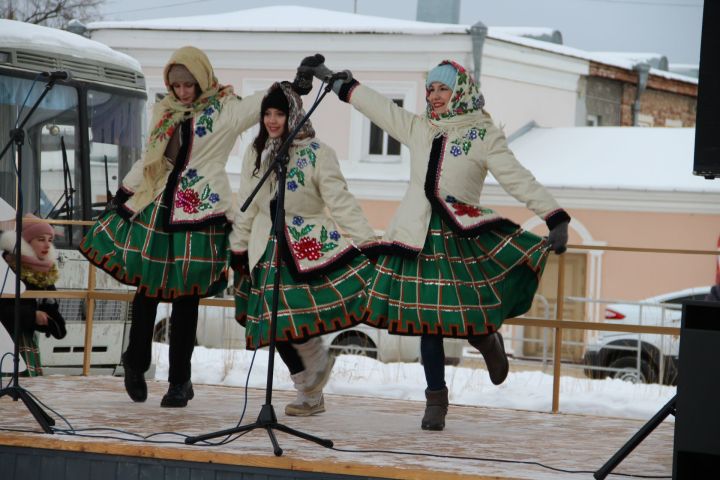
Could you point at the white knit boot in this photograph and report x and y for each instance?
(305, 404)
(318, 364)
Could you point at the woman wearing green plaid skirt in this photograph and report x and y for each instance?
(323, 274)
(453, 268)
(166, 229)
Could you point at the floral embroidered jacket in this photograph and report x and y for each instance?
(315, 186)
(447, 173)
(199, 189)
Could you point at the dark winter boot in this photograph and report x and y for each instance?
(492, 348)
(178, 395)
(436, 407)
(135, 384)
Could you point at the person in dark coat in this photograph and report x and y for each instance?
(38, 271)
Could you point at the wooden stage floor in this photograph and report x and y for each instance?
(490, 438)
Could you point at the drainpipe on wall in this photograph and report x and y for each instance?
(478, 32)
(643, 71)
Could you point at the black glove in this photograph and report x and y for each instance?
(114, 203)
(56, 322)
(304, 75)
(558, 238)
(239, 263)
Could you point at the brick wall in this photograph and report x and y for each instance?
(664, 101)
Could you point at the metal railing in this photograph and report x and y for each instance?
(558, 324)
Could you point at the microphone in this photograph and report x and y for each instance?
(344, 75)
(56, 75)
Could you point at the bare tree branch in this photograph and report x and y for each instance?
(51, 13)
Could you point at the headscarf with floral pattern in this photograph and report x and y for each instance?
(295, 114)
(170, 111)
(466, 103)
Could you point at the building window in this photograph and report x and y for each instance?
(369, 146)
(380, 143)
(593, 121)
(645, 120)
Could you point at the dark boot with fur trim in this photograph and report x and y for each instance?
(436, 407)
(492, 348)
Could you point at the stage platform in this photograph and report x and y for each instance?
(489, 441)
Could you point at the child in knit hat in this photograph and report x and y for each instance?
(38, 271)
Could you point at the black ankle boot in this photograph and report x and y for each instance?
(135, 384)
(436, 407)
(178, 395)
(492, 348)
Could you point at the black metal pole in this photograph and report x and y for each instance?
(279, 229)
(15, 391)
(267, 419)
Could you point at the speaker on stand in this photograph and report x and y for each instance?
(696, 453)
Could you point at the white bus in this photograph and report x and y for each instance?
(79, 143)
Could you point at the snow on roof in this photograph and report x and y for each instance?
(27, 36)
(687, 69)
(616, 158)
(310, 20)
(538, 33)
(287, 19)
(522, 31)
(614, 59)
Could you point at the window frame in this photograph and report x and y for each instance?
(359, 147)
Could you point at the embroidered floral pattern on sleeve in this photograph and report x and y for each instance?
(305, 155)
(309, 247)
(189, 199)
(465, 209)
(463, 144)
(204, 124)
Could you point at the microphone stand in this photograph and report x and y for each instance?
(14, 390)
(267, 419)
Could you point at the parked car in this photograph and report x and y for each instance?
(217, 328)
(641, 358)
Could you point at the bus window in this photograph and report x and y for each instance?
(115, 140)
(54, 122)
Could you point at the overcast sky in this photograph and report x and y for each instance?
(669, 27)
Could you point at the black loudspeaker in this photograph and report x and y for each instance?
(697, 419)
(707, 120)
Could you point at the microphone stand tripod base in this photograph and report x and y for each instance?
(18, 393)
(267, 420)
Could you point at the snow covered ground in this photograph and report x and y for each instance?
(362, 376)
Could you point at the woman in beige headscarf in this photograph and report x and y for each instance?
(166, 232)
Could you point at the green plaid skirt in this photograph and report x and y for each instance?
(30, 352)
(331, 302)
(160, 263)
(456, 286)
